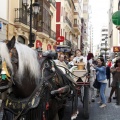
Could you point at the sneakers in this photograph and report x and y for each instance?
(102, 106)
(93, 100)
(114, 97)
(99, 102)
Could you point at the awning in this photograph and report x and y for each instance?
(63, 49)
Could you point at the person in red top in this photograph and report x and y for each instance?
(109, 63)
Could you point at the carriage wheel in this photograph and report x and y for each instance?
(86, 102)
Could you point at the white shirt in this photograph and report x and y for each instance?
(71, 63)
(77, 59)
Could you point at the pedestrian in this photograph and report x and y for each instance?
(61, 61)
(92, 75)
(116, 77)
(71, 63)
(101, 77)
(66, 59)
(108, 65)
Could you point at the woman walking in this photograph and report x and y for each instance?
(101, 77)
(116, 77)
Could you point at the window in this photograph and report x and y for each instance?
(102, 44)
(75, 21)
(103, 30)
(104, 34)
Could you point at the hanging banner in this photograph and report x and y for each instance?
(38, 44)
(48, 47)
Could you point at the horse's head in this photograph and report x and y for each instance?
(24, 66)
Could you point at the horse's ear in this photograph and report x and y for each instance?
(11, 43)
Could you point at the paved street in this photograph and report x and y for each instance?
(111, 112)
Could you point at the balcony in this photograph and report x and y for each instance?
(68, 21)
(53, 2)
(52, 35)
(77, 27)
(22, 15)
(67, 42)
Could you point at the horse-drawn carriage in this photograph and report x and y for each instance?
(38, 89)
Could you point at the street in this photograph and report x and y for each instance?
(111, 112)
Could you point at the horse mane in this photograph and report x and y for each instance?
(27, 59)
(4, 53)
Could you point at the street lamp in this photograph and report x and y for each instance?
(34, 8)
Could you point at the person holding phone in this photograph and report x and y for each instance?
(101, 77)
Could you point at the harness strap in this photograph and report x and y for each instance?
(36, 92)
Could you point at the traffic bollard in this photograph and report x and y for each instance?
(118, 93)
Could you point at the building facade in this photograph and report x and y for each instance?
(104, 42)
(68, 21)
(85, 28)
(43, 30)
(4, 20)
(114, 35)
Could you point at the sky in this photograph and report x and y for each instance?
(98, 17)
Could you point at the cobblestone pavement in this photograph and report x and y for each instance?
(111, 112)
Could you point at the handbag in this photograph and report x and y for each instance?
(96, 84)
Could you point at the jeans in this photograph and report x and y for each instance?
(102, 92)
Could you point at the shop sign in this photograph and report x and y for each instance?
(116, 18)
(38, 44)
(116, 48)
(60, 38)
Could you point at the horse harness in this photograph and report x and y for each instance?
(22, 106)
(31, 102)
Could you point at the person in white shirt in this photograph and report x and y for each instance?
(61, 63)
(79, 57)
(92, 78)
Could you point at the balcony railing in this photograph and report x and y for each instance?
(68, 21)
(53, 34)
(44, 28)
(67, 42)
(23, 16)
(78, 26)
(53, 2)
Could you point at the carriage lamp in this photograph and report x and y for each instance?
(34, 8)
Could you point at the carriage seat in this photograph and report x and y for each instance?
(50, 54)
